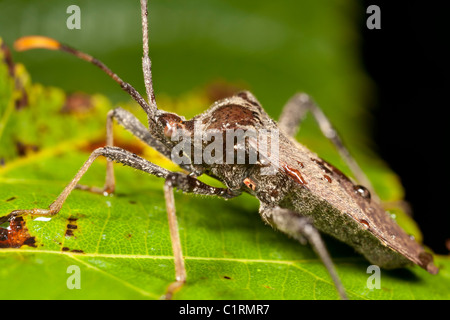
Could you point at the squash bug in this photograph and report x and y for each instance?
(300, 194)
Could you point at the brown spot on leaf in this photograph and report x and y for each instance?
(22, 100)
(11, 199)
(71, 226)
(65, 249)
(69, 233)
(24, 149)
(135, 147)
(7, 58)
(77, 103)
(16, 235)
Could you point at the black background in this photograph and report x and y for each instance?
(408, 59)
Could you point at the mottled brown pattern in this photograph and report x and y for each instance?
(231, 117)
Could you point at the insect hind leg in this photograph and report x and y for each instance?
(301, 229)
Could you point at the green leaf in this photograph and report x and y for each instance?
(121, 243)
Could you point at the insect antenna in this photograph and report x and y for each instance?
(40, 42)
(146, 62)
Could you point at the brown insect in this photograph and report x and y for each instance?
(301, 195)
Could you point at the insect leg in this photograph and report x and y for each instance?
(180, 270)
(299, 228)
(110, 182)
(181, 181)
(112, 153)
(134, 126)
(188, 184)
(293, 113)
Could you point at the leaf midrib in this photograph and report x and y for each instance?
(76, 256)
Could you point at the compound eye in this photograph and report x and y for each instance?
(170, 129)
(171, 123)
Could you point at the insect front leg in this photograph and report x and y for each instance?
(290, 119)
(112, 153)
(177, 180)
(301, 228)
(110, 182)
(128, 121)
(188, 184)
(180, 270)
